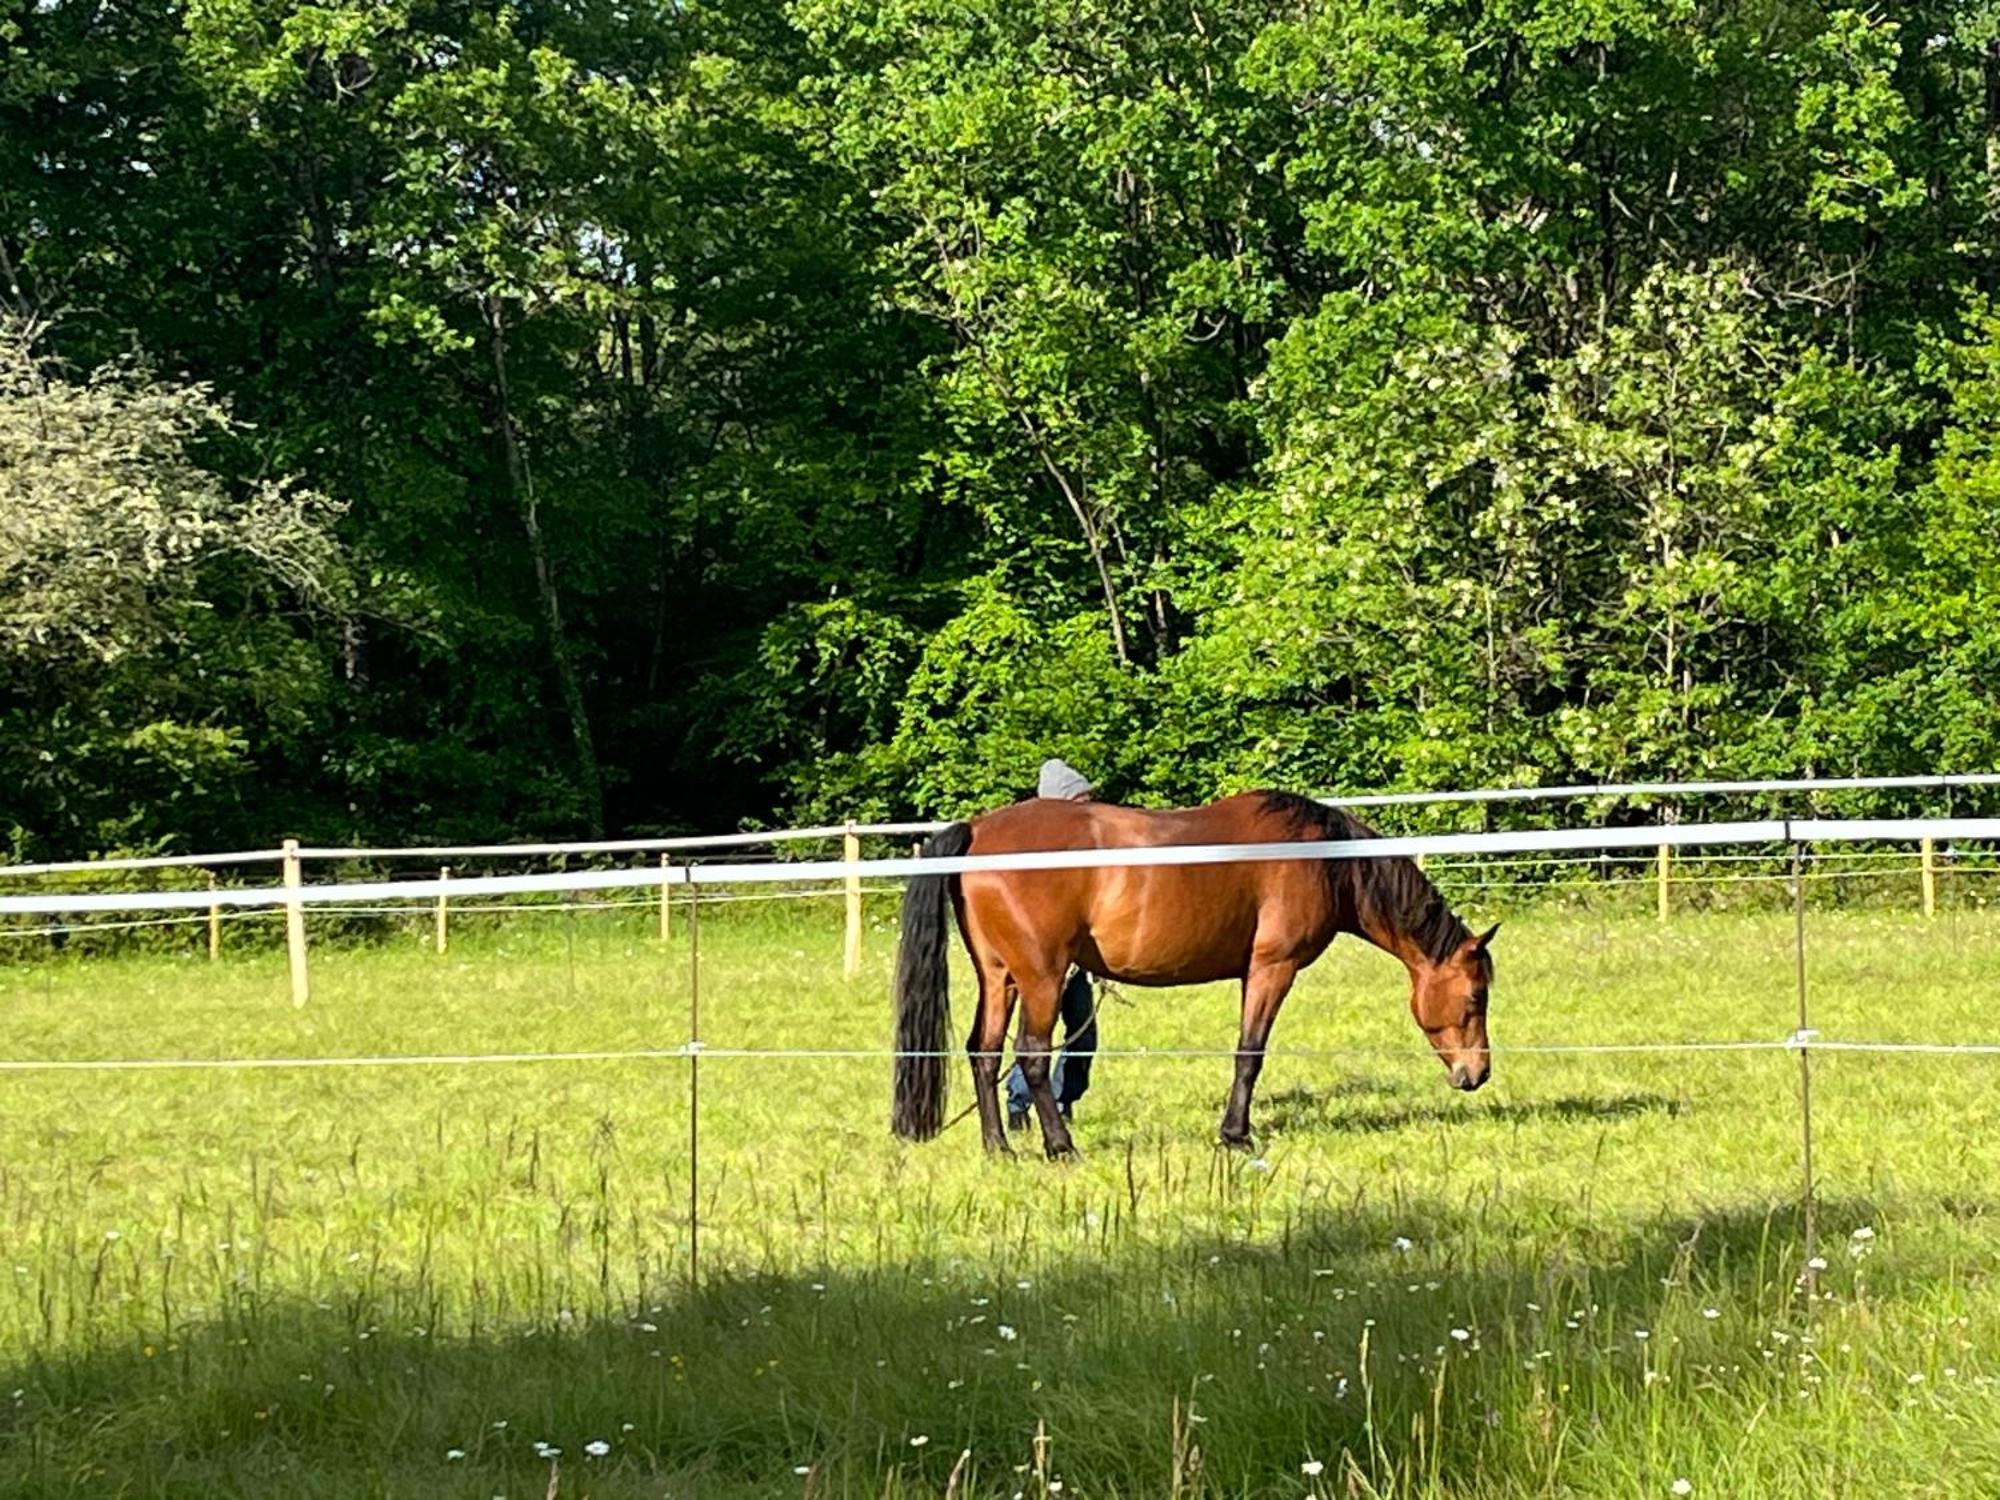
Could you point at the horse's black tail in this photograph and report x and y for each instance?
(923, 993)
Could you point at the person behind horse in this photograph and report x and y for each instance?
(1070, 1077)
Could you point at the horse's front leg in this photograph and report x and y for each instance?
(1264, 990)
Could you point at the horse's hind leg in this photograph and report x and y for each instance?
(983, 1046)
(1041, 996)
(1264, 990)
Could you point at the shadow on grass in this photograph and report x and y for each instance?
(1306, 1109)
(1432, 1350)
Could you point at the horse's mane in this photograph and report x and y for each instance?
(1394, 886)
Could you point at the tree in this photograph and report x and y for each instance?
(120, 544)
(740, 410)
(107, 517)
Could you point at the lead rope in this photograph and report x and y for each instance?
(1103, 988)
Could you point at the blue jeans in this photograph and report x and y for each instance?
(1070, 1074)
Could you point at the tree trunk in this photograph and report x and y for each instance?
(1091, 539)
(522, 483)
(1038, 440)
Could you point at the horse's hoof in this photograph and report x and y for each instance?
(1065, 1152)
(1230, 1142)
(998, 1146)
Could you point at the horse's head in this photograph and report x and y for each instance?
(1448, 999)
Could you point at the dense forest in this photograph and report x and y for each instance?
(456, 419)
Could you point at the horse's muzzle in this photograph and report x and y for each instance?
(1466, 1078)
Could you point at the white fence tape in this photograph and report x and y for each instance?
(147, 862)
(1682, 835)
(1361, 799)
(603, 846)
(687, 1050)
(906, 830)
(1667, 789)
(626, 846)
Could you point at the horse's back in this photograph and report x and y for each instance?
(1046, 823)
(1145, 924)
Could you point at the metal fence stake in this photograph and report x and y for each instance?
(694, 1082)
(1808, 1211)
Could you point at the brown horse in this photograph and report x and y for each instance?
(1260, 922)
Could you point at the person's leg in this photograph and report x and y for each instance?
(1017, 1098)
(1079, 1049)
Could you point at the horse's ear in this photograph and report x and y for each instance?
(1479, 943)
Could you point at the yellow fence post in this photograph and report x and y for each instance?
(850, 850)
(214, 924)
(1666, 860)
(443, 932)
(1929, 848)
(666, 907)
(295, 925)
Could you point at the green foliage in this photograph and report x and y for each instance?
(997, 690)
(740, 411)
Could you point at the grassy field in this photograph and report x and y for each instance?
(421, 1281)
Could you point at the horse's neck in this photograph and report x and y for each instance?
(1396, 943)
(1395, 926)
